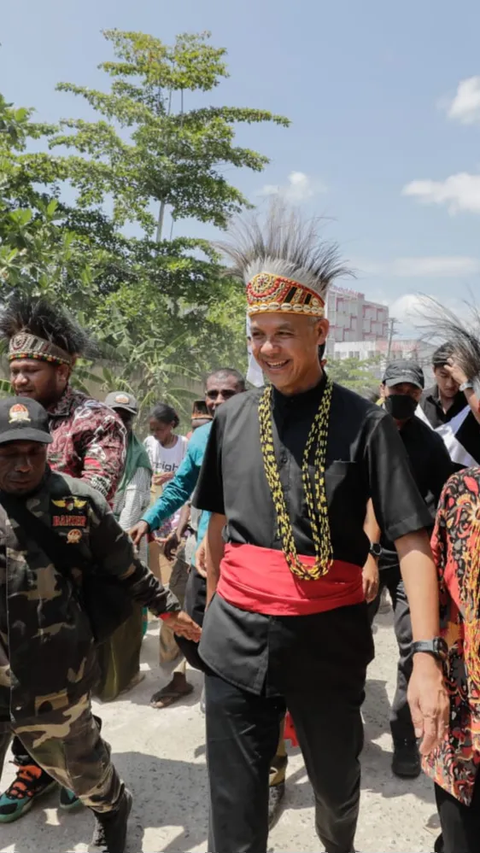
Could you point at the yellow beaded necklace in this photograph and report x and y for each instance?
(316, 501)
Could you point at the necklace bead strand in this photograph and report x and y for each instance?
(316, 498)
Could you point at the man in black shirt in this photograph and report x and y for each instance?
(287, 474)
(431, 466)
(451, 407)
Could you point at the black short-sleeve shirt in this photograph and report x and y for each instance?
(431, 467)
(365, 458)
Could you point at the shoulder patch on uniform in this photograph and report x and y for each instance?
(74, 514)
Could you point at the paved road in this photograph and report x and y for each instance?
(161, 754)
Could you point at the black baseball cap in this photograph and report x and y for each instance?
(23, 419)
(122, 400)
(404, 371)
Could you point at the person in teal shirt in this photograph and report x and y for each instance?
(179, 490)
(220, 386)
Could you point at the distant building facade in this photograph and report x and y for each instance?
(353, 318)
(418, 351)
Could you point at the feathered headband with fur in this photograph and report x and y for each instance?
(36, 329)
(286, 267)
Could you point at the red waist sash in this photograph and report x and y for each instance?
(259, 580)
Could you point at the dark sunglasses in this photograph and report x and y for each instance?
(226, 394)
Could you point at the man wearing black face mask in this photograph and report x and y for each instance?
(402, 387)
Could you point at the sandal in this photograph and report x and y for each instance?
(167, 696)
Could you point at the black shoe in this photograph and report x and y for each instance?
(276, 794)
(406, 759)
(110, 834)
(68, 800)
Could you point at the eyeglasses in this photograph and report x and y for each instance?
(226, 394)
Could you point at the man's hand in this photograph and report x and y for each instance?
(200, 559)
(171, 544)
(428, 701)
(370, 579)
(161, 479)
(138, 532)
(182, 624)
(456, 372)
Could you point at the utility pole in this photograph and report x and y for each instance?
(391, 333)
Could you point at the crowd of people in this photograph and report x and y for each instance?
(262, 541)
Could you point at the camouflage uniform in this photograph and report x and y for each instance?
(47, 654)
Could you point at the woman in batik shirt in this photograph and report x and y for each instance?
(454, 765)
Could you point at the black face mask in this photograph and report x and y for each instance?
(400, 406)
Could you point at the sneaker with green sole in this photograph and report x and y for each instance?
(30, 783)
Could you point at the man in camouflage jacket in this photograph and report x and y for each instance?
(88, 442)
(47, 652)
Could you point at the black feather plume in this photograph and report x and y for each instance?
(462, 337)
(52, 323)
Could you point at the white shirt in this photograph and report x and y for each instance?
(165, 460)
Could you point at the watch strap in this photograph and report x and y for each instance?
(436, 647)
(466, 385)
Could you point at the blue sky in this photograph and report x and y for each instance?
(383, 98)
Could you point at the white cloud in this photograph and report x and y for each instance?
(439, 266)
(458, 192)
(408, 308)
(465, 106)
(416, 311)
(299, 188)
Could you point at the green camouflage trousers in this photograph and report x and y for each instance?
(67, 744)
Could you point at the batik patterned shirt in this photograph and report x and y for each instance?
(89, 441)
(456, 547)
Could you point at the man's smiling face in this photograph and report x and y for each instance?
(286, 348)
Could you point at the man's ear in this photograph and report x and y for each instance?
(323, 327)
(63, 373)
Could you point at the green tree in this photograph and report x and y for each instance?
(148, 150)
(359, 376)
(41, 249)
(155, 147)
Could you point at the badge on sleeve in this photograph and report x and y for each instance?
(74, 514)
(74, 537)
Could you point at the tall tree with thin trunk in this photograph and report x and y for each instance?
(156, 146)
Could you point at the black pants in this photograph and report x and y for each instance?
(460, 823)
(195, 604)
(196, 596)
(324, 699)
(400, 718)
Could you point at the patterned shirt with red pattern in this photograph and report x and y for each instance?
(455, 763)
(89, 441)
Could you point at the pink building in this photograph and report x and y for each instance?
(353, 318)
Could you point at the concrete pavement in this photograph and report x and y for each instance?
(161, 755)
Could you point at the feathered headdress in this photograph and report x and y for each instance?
(285, 265)
(36, 329)
(463, 338)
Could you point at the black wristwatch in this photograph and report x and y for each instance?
(376, 550)
(436, 647)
